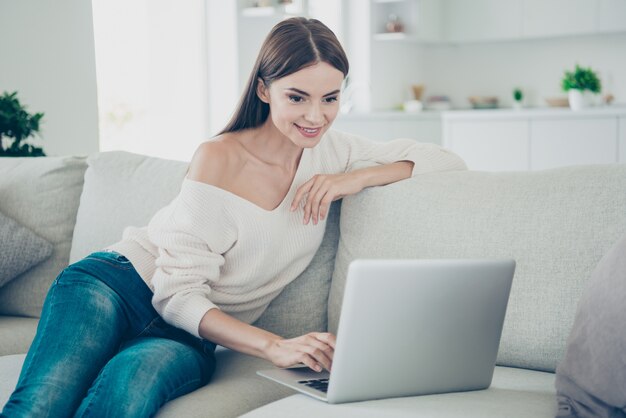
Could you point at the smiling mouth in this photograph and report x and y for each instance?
(308, 132)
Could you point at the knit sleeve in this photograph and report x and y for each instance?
(426, 157)
(191, 235)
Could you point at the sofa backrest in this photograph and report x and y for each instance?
(41, 194)
(556, 224)
(123, 189)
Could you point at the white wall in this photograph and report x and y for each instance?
(47, 55)
(396, 66)
(537, 66)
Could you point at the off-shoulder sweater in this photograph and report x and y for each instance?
(210, 248)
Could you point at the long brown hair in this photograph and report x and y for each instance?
(291, 45)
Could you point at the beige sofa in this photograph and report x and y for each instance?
(557, 224)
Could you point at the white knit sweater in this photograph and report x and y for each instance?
(210, 248)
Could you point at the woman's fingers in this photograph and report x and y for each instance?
(326, 337)
(315, 350)
(325, 204)
(321, 190)
(306, 193)
(300, 193)
(321, 354)
(323, 348)
(320, 200)
(310, 362)
(315, 204)
(310, 207)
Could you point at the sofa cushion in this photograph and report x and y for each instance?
(123, 189)
(21, 249)
(10, 368)
(234, 389)
(514, 393)
(590, 380)
(41, 194)
(16, 334)
(556, 224)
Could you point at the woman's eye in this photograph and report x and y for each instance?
(295, 99)
(331, 99)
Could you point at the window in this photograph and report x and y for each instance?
(151, 65)
(170, 73)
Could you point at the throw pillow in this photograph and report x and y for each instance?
(591, 378)
(20, 249)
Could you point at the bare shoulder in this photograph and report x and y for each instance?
(215, 160)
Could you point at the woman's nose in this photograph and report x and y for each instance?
(314, 115)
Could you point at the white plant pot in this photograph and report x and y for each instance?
(579, 99)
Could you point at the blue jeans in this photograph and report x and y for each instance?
(101, 350)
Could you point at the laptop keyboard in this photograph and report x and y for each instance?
(317, 384)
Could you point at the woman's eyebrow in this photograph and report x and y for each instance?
(304, 93)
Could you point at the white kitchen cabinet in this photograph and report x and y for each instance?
(622, 140)
(428, 130)
(385, 126)
(502, 140)
(490, 145)
(482, 20)
(490, 20)
(558, 143)
(428, 24)
(543, 18)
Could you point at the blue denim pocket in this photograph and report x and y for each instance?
(111, 258)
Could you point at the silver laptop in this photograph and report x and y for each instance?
(412, 327)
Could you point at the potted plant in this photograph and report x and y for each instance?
(17, 125)
(518, 96)
(580, 85)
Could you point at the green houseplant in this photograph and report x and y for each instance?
(580, 84)
(17, 125)
(518, 96)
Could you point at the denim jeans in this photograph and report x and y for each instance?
(101, 350)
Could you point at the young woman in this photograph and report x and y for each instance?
(127, 329)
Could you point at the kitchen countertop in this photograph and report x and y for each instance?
(389, 115)
(478, 114)
(535, 113)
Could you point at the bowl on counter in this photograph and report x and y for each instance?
(483, 102)
(557, 101)
(438, 103)
(412, 106)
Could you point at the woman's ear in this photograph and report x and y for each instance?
(262, 91)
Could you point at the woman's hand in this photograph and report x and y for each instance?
(322, 190)
(314, 349)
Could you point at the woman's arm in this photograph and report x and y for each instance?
(396, 160)
(384, 174)
(314, 349)
(322, 190)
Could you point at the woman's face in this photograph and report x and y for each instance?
(304, 104)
